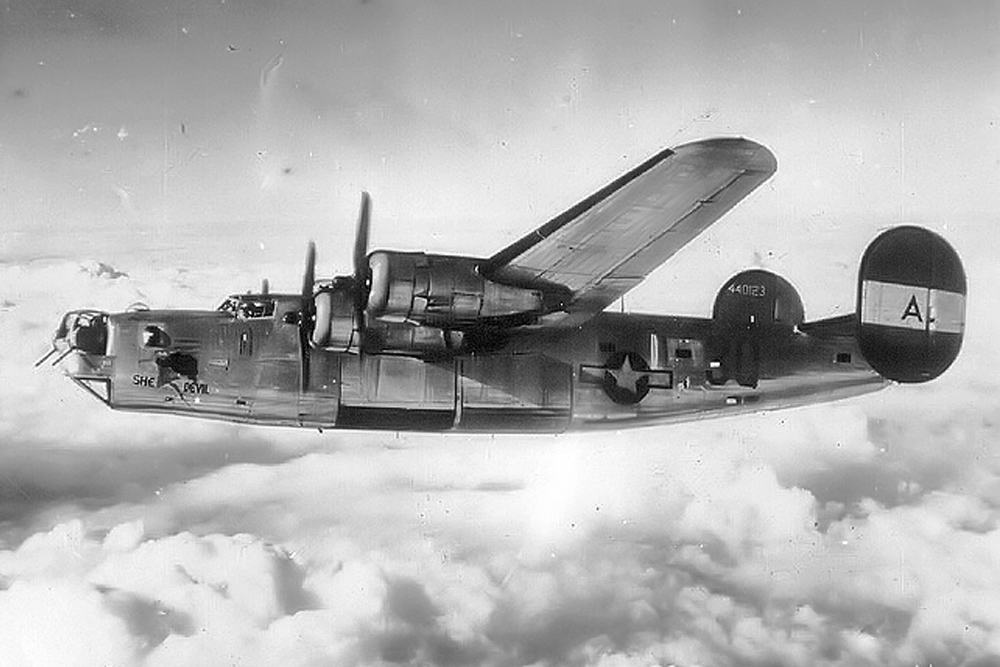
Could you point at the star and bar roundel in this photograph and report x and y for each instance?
(626, 377)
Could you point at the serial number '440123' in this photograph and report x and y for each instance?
(747, 289)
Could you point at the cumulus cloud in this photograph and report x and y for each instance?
(863, 532)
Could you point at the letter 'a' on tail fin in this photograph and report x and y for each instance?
(911, 304)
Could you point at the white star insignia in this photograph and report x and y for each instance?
(627, 377)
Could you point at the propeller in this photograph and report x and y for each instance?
(307, 320)
(361, 269)
(309, 279)
(361, 254)
(308, 312)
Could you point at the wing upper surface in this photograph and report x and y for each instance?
(607, 244)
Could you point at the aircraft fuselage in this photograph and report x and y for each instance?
(615, 371)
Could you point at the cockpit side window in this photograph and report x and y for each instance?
(248, 307)
(228, 306)
(254, 308)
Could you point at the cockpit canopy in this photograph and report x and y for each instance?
(248, 306)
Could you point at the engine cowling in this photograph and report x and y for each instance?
(419, 304)
(443, 291)
(337, 326)
(911, 304)
(753, 309)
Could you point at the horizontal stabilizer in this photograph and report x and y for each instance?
(831, 327)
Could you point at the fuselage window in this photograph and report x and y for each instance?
(686, 351)
(246, 343)
(154, 336)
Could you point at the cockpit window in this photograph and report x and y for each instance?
(256, 308)
(228, 306)
(248, 307)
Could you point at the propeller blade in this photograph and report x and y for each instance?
(361, 239)
(361, 264)
(309, 279)
(305, 318)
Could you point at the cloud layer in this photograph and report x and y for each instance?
(176, 152)
(857, 533)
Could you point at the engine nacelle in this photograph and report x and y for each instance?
(753, 309)
(444, 291)
(337, 327)
(911, 304)
(396, 321)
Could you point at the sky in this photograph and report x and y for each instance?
(175, 152)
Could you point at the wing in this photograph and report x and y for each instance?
(608, 243)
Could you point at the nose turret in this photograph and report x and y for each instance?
(84, 334)
(81, 331)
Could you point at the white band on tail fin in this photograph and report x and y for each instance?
(912, 307)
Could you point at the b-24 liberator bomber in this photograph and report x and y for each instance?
(522, 341)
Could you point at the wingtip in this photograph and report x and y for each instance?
(751, 155)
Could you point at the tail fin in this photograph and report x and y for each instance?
(911, 304)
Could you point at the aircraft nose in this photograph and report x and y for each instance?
(83, 331)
